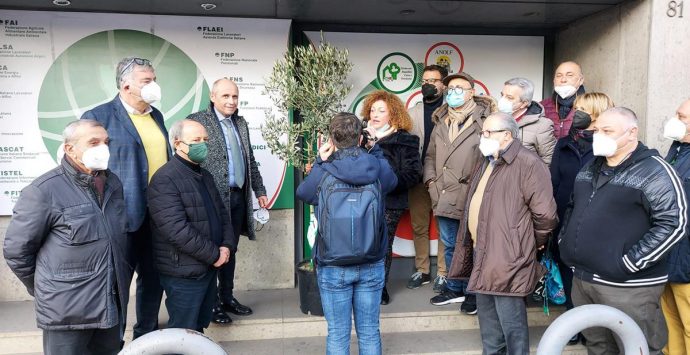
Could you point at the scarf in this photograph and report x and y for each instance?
(457, 118)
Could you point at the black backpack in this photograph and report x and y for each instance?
(351, 223)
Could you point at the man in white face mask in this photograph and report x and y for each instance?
(628, 209)
(535, 130)
(139, 147)
(511, 214)
(675, 300)
(568, 83)
(67, 244)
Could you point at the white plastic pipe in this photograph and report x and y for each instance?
(173, 341)
(593, 315)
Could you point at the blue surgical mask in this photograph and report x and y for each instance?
(455, 100)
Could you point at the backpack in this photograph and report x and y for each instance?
(351, 223)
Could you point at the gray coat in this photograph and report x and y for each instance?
(69, 252)
(536, 132)
(217, 163)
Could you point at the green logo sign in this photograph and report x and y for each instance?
(396, 73)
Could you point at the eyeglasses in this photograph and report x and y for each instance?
(430, 81)
(137, 61)
(487, 132)
(458, 90)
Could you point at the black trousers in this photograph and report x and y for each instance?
(226, 276)
(149, 290)
(82, 342)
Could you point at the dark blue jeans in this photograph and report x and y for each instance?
(448, 231)
(149, 290)
(226, 276)
(189, 301)
(348, 290)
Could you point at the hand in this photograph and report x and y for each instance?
(223, 258)
(541, 247)
(428, 183)
(307, 168)
(372, 137)
(263, 201)
(326, 150)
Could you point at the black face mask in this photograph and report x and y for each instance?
(587, 135)
(581, 119)
(429, 91)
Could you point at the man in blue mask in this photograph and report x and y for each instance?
(450, 159)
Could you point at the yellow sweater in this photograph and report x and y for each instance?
(476, 202)
(155, 146)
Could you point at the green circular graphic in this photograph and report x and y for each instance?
(394, 70)
(83, 77)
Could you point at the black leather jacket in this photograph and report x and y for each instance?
(623, 221)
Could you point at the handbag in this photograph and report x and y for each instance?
(463, 260)
(550, 287)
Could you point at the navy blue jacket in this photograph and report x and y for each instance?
(353, 166)
(127, 156)
(679, 257)
(566, 162)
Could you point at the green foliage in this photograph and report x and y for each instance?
(311, 82)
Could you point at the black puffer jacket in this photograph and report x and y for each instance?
(70, 253)
(182, 241)
(619, 233)
(401, 149)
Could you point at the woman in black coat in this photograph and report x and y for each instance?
(388, 120)
(571, 153)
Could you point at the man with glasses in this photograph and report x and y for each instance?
(568, 83)
(628, 209)
(450, 159)
(138, 147)
(420, 202)
(511, 214)
(235, 172)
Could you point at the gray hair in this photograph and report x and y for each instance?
(69, 134)
(126, 67)
(508, 123)
(175, 132)
(628, 114)
(525, 85)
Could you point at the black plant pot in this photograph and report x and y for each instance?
(309, 296)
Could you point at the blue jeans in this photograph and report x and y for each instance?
(345, 289)
(189, 301)
(448, 232)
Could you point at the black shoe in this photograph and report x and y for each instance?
(385, 297)
(574, 340)
(235, 307)
(447, 297)
(470, 305)
(220, 317)
(417, 280)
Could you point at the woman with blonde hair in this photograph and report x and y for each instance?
(389, 124)
(571, 153)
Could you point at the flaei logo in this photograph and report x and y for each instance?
(209, 29)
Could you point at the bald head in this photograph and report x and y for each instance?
(568, 73)
(225, 96)
(683, 111)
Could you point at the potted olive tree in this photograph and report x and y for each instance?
(308, 84)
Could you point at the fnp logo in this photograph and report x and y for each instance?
(210, 29)
(9, 22)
